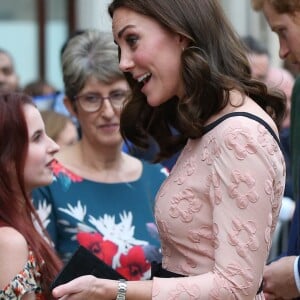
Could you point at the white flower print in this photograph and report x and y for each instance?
(77, 212)
(44, 210)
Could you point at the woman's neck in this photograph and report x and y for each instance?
(103, 165)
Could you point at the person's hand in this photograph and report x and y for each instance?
(279, 281)
(86, 287)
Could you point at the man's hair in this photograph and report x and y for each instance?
(281, 6)
(257, 4)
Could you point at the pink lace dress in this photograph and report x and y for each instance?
(217, 210)
(26, 281)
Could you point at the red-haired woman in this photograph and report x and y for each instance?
(27, 262)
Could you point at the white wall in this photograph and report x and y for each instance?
(93, 14)
(19, 38)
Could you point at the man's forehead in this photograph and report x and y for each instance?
(5, 60)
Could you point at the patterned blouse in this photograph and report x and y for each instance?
(26, 281)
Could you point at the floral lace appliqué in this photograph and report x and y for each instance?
(274, 191)
(185, 205)
(188, 168)
(268, 232)
(240, 280)
(238, 192)
(266, 140)
(211, 150)
(181, 291)
(243, 237)
(213, 188)
(240, 141)
(205, 232)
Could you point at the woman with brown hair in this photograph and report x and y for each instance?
(217, 210)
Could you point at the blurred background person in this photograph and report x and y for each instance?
(102, 198)
(258, 57)
(9, 80)
(43, 93)
(60, 128)
(39, 87)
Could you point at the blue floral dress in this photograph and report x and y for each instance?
(115, 221)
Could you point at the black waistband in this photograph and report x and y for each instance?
(158, 271)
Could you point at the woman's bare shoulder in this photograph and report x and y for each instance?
(9, 235)
(242, 103)
(14, 254)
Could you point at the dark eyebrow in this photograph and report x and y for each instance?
(120, 33)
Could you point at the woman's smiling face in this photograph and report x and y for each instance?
(150, 53)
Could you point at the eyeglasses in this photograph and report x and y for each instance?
(92, 102)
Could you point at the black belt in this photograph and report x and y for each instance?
(158, 271)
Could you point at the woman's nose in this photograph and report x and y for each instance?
(126, 63)
(283, 50)
(53, 146)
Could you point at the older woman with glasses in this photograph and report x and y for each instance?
(101, 198)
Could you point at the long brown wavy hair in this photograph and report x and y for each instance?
(16, 210)
(214, 64)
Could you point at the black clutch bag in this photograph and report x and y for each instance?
(83, 262)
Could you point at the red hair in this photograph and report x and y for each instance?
(16, 208)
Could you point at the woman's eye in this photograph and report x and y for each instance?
(36, 137)
(91, 98)
(131, 40)
(281, 32)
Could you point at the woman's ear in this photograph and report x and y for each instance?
(70, 105)
(183, 41)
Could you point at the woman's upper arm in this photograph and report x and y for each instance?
(14, 254)
(251, 173)
(29, 296)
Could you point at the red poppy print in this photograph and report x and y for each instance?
(133, 265)
(94, 242)
(57, 169)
